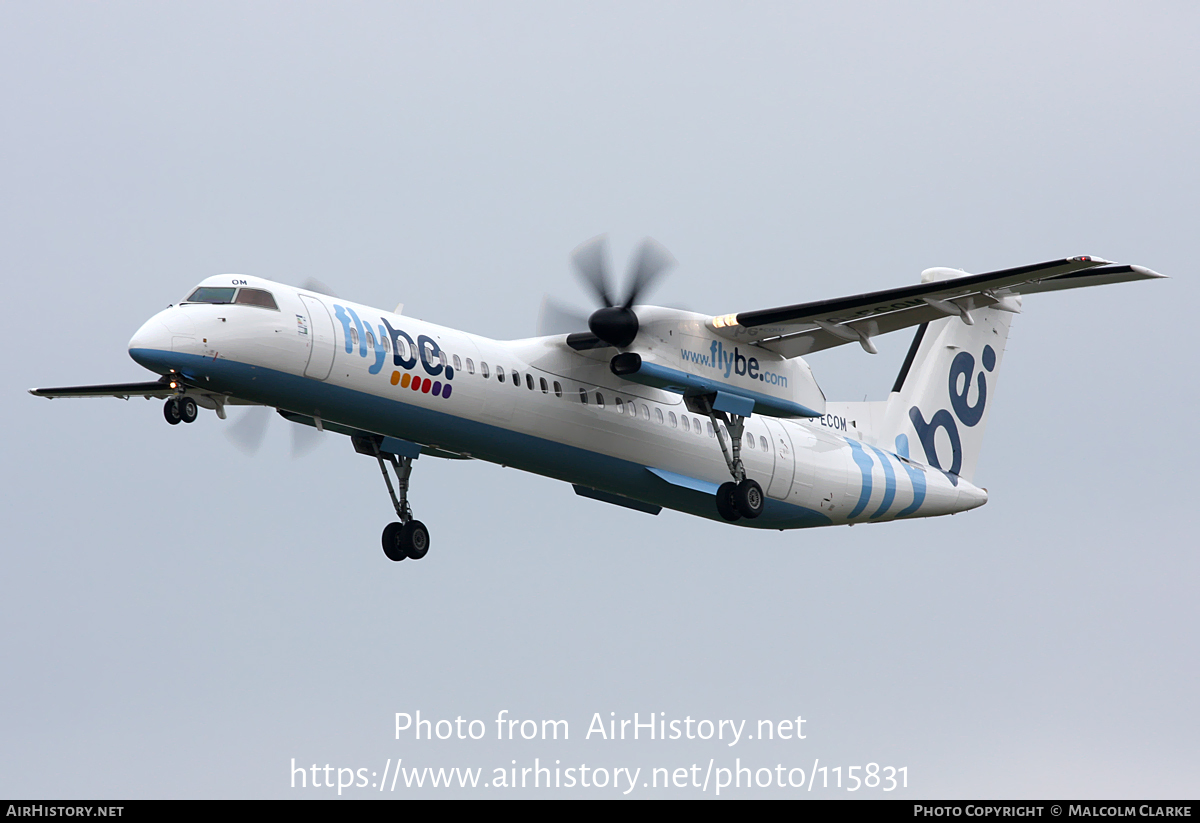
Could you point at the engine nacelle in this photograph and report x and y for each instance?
(675, 351)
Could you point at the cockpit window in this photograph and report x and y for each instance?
(208, 294)
(256, 297)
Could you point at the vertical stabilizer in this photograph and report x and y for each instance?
(938, 407)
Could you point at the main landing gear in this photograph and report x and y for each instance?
(180, 409)
(740, 497)
(409, 538)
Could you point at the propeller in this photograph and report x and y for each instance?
(617, 324)
(248, 432)
(615, 321)
(313, 284)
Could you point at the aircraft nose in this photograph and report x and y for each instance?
(150, 345)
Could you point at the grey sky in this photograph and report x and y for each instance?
(181, 620)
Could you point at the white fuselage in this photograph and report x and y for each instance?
(520, 403)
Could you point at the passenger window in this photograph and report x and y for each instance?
(599, 400)
(674, 422)
(545, 387)
(686, 426)
(470, 366)
(696, 424)
(749, 438)
(500, 373)
(708, 425)
(402, 348)
(658, 416)
(583, 396)
(632, 409)
(516, 379)
(457, 363)
(370, 341)
(762, 441)
(620, 406)
(646, 412)
(529, 381)
(354, 336)
(557, 389)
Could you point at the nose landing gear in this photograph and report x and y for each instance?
(180, 410)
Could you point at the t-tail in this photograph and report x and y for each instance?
(937, 410)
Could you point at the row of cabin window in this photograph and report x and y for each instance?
(621, 406)
(676, 422)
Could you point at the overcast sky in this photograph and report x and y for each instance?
(181, 620)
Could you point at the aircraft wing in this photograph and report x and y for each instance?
(121, 390)
(160, 389)
(804, 328)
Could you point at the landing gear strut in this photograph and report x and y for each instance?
(740, 497)
(409, 537)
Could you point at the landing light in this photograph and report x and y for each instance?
(724, 321)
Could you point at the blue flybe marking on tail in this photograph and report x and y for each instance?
(963, 366)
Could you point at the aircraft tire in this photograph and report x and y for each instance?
(726, 507)
(187, 410)
(415, 539)
(749, 499)
(172, 412)
(393, 545)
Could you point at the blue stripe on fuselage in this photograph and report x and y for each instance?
(395, 418)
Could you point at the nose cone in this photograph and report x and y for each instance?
(150, 345)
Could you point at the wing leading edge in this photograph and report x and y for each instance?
(804, 328)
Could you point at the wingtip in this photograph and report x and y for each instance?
(1148, 273)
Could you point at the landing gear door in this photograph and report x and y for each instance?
(321, 339)
(785, 462)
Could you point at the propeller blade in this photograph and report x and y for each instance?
(313, 284)
(248, 432)
(652, 260)
(556, 318)
(591, 261)
(304, 439)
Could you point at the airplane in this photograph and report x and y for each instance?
(649, 408)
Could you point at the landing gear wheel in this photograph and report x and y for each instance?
(748, 498)
(187, 410)
(415, 539)
(172, 412)
(726, 507)
(392, 545)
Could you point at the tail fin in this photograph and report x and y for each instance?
(938, 408)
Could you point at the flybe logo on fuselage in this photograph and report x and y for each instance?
(405, 355)
(963, 366)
